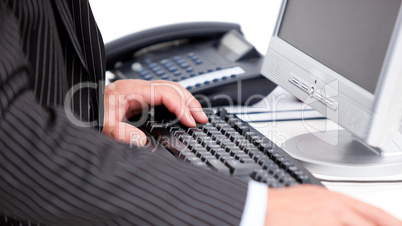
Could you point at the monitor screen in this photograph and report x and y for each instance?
(350, 39)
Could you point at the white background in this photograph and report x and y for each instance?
(117, 18)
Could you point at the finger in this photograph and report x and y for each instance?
(194, 106)
(374, 214)
(196, 110)
(128, 134)
(353, 218)
(177, 106)
(114, 114)
(115, 108)
(174, 98)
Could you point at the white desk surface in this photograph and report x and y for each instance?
(257, 18)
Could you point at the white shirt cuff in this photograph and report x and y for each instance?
(256, 204)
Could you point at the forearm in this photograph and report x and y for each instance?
(56, 172)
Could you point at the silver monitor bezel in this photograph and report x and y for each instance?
(374, 119)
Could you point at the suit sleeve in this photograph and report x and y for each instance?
(55, 172)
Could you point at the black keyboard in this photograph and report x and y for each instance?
(228, 145)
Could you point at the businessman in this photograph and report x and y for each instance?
(55, 169)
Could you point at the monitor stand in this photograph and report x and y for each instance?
(349, 159)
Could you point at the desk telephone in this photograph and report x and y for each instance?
(212, 60)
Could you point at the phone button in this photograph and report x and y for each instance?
(172, 68)
(148, 77)
(166, 62)
(144, 72)
(160, 72)
(184, 65)
(198, 62)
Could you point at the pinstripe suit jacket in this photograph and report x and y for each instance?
(55, 172)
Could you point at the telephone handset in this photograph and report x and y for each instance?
(212, 60)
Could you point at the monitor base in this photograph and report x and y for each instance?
(349, 159)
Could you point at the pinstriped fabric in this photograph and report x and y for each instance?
(55, 172)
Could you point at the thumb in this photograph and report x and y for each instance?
(129, 134)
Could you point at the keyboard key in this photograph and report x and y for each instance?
(261, 175)
(188, 156)
(257, 156)
(252, 152)
(200, 154)
(242, 155)
(243, 130)
(247, 160)
(199, 164)
(240, 169)
(303, 178)
(191, 143)
(218, 151)
(218, 166)
(224, 158)
(210, 147)
(200, 151)
(236, 151)
(250, 135)
(265, 144)
(191, 131)
(286, 165)
(218, 137)
(229, 146)
(184, 137)
(265, 161)
(205, 140)
(222, 155)
(207, 157)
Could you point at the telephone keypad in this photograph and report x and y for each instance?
(183, 66)
(176, 66)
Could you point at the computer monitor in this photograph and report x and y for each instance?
(343, 58)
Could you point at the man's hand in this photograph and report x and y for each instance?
(309, 205)
(126, 98)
